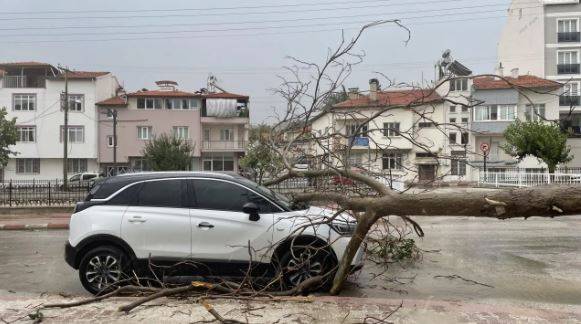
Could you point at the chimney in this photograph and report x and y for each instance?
(353, 93)
(500, 70)
(514, 73)
(373, 89)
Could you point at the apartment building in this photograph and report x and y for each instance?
(435, 134)
(543, 38)
(31, 92)
(216, 124)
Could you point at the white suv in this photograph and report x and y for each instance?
(203, 222)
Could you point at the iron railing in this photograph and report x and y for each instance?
(24, 81)
(35, 193)
(566, 37)
(568, 68)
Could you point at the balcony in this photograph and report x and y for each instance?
(24, 81)
(568, 101)
(568, 68)
(569, 37)
(228, 146)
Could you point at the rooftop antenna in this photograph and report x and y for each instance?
(212, 84)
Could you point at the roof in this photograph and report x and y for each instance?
(393, 98)
(25, 64)
(163, 93)
(114, 101)
(80, 75)
(224, 95)
(523, 81)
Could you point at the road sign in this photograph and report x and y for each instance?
(485, 148)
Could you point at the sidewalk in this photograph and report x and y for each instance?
(297, 310)
(32, 219)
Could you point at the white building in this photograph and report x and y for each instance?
(542, 37)
(31, 92)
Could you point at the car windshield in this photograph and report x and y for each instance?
(277, 197)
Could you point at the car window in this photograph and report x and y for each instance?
(75, 177)
(161, 193)
(127, 197)
(89, 176)
(221, 195)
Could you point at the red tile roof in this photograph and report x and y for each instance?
(163, 93)
(523, 81)
(393, 98)
(114, 101)
(225, 95)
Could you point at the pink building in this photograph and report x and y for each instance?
(215, 123)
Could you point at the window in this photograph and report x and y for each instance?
(354, 130)
(26, 134)
(206, 135)
(452, 120)
(27, 165)
(425, 155)
(218, 163)
(425, 124)
(459, 84)
(458, 163)
(567, 62)
(210, 195)
(77, 165)
(181, 132)
(181, 103)
(495, 113)
(163, 193)
(567, 25)
(452, 138)
(464, 139)
(139, 164)
(571, 89)
(535, 112)
(110, 141)
(144, 132)
(76, 134)
(452, 109)
(126, 197)
(226, 134)
(465, 119)
(391, 129)
(149, 103)
(464, 109)
(355, 159)
(76, 102)
(392, 161)
(24, 102)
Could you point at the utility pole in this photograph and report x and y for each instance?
(65, 105)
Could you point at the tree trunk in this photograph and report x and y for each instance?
(363, 226)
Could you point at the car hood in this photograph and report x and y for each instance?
(315, 212)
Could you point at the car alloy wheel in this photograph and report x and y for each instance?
(303, 266)
(103, 271)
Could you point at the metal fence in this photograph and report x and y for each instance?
(333, 183)
(527, 179)
(15, 193)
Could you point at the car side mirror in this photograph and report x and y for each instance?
(252, 210)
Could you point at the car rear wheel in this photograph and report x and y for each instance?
(103, 268)
(303, 262)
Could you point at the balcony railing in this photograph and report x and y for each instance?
(568, 101)
(224, 145)
(23, 81)
(569, 37)
(568, 68)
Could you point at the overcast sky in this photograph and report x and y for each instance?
(245, 42)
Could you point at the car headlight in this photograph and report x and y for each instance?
(344, 228)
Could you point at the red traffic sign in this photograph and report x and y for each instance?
(485, 148)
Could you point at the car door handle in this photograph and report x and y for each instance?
(137, 219)
(205, 225)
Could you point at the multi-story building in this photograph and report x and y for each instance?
(543, 38)
(31, 92)
(216, 124)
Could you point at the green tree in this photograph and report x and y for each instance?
(167, 153)
(545, 141)
(260, 157)
(8, 136)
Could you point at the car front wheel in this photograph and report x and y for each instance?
(103, 268)
(303, 262)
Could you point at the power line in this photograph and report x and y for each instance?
(220, 14)
(258, 28)
(278, 21)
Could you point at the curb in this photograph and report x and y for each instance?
(32, 227)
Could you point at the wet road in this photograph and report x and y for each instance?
(532, 261)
